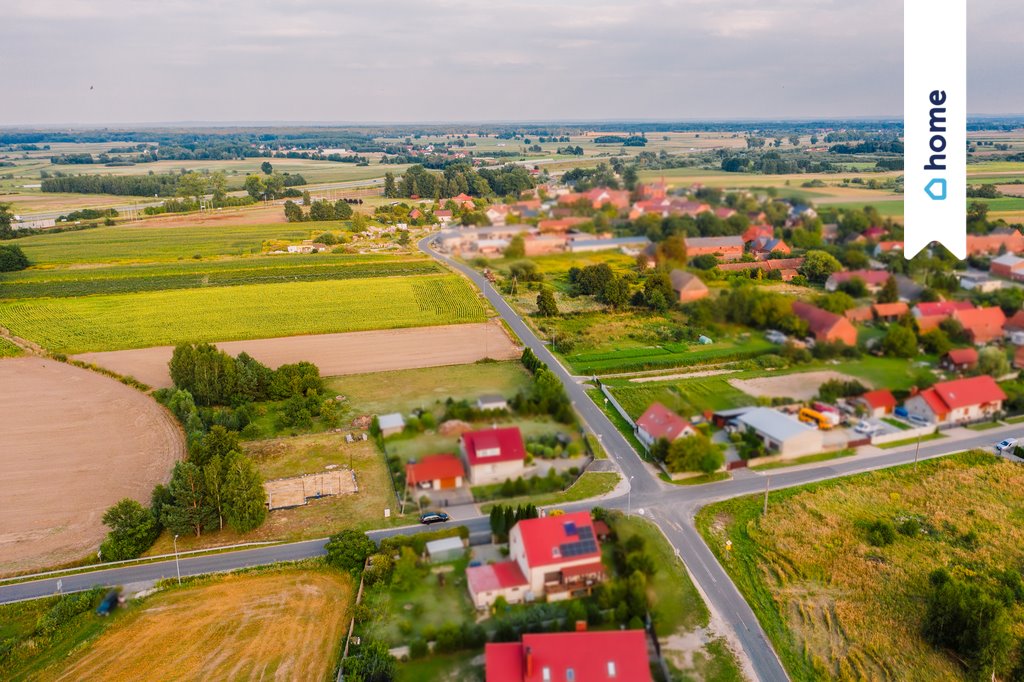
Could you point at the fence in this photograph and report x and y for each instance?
(907, 434)
(618, 408)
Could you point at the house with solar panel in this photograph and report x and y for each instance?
(552, 558)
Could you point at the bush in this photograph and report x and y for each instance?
(881, 533)
(417, 648)
(133, 530)
(348, 551)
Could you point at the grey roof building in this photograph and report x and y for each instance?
(782, 433)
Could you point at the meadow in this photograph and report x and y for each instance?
(140, 243)
(837, 607)
(156, 318)
(189, 274)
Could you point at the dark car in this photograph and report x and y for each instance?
(433, 517)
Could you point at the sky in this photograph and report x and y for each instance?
(396, 61)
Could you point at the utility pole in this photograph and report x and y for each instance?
(917, 450)
(767, 480)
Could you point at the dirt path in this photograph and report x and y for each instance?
(799, 386)
(337, 354)
(73, 443)
(686, 375)
(280, 626)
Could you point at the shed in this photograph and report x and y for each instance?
(782, 433)
(445, 549)
(390, 424)
(491, 402)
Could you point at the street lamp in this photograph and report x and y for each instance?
(177, 566)
(629, 497)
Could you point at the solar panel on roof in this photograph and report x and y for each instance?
(586, 532)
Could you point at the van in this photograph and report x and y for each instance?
(825, 422)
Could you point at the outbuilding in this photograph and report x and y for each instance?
(781, 433)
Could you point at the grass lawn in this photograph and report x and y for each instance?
(428, 388)
(985, 426)
(678, 607)
(836, 607)
(319, 518)
(896, 423)
(892, 373)
(698, 480)
(419, 445)
(589, 484)
(460, 667)
(685, 396)
(909, 441)
(155, 318)
(806, 459)
(621, 424)
(1015, 420)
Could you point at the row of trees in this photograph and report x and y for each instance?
(459, 178)
(163, 185)
(545, 394)
(318, 210)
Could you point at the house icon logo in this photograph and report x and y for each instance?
(936, 189)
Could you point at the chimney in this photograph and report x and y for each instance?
(528, 652)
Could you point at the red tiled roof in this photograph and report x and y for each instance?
(984, 324)
(585, 569)
(890, 246)
(434, 467)
(891, 309)
(661, 422)
(965, 392)
(926, 323)
(597, 656)
(507, 441)
(869, 277)
(880, 398)
(859, 314)
(963, 356)
(822, 323)
(491, 577)
(941, 307)
(543, 537)
(934, 401)
(1016, 322)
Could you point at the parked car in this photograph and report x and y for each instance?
(433, 517)
(919, 421)
(775, 336)
(866, 428)
(901, 412)
(1007, 445)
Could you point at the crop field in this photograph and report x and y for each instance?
(140, 243)
(836, 607)
(665, 355)
(8, 349)
(67, 282)
(687, 397)
(158, 318)
(285, 624)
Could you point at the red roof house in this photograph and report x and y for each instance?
(874, 279)
(1015, 323)
(558, 557)
(660, 422)
(889, 312)
(1008, 242)
(960, 359)
(983, 325)
(958, 401)
(825, 326)
(435, 472)
(1018, 358)
(493, 455)
(878, 403)
(945, 308)
(605, 656)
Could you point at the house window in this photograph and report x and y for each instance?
(611, 668)
(570, 675)
(546, 674)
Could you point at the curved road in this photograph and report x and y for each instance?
(672, 508)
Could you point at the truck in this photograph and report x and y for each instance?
(824, 421)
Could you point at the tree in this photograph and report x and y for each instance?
(215, 444)
(293, 212)
(936, 342)
(12, 258)
(516, 247)
(672, 250)
(390, 191)
(406, 573)
(133, 530)
(342, 210)
(546, 305)
(658, 291)
(266, 168)
(819, 265)
(890, 292)
(255, 186)
(6, 217)
(899, 342)
(694, 453)
(837, 302)
(218, 185)
(616, 293)
(244, 496)
(348, 550)
(213, 479)
(189, 511)
(992, 361)
(192, 186)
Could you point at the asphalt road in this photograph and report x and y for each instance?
(673, 508)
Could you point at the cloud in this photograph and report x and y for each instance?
(416, 60)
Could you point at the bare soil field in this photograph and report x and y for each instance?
(259, 214)
(801, 386)
(285, 625)
(297, 490)
(74, 442)
(337, 354)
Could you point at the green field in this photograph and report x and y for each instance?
(890, 209)
(139, 243)
(837, 607)
(685, 396)
(8, 349)
(65, 282)
(120, 321)
(666, 355)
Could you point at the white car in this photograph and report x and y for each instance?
(865, 428)
(1007, 445)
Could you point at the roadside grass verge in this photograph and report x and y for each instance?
(806, 459)
(909, 441)
(589, 484)
(985, 426)
(713, 477)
